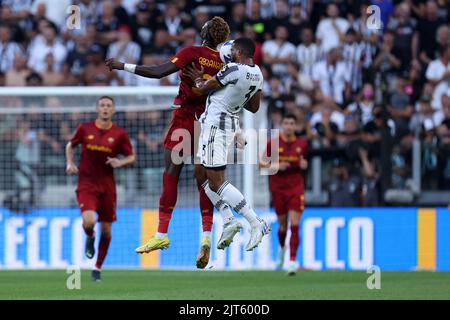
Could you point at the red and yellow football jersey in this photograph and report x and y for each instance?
(97, 145)
(289, 151)
(191, 102)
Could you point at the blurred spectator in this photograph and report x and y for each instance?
(345, 187)
(76, 60)
(403, 26)
(326, 122)
(172, 24)
(387, 59)
(361, 25)
(427, 27)
(442, 38)
(332, 77)
(55, 10)
(49, 76)
(125, 50)
(308, 53)
(260, 25)
(108, 22)
(362, 108)
(331, 31)
(354, 53)
(400, 107)
(438, 75)
(14, 11)
(258, 56)
(278, 52)
(237, 20)
(424, 112)
(17, 75)
(96, 72)
(295, 24)
(8, 49)
(50, 44)
(279, 16)
(142, 26)
(201, 15)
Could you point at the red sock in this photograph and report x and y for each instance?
(102, 251)
(206, 209)
(294, 242)
(281, 237)
(167, 201)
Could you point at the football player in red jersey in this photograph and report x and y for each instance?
(101, 141)
(287, 185)
(189, 106)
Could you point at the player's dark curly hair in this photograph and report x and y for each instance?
(215, 32)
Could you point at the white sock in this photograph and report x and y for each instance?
(220, 205)
(160, 235)
(235, 199)
(206, 234)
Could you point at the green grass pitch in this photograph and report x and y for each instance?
(235, 285)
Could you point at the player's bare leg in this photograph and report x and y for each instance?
(282, 230)
(105, 240)
(89, 221)
(167, 201)
(294, 217)
(220, 189)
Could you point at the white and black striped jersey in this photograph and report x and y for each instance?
(239, 83)
(307, 56)
(356, 56)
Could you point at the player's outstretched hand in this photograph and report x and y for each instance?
(71, 168)
(114, 162)
(114, 64)
(192, 72)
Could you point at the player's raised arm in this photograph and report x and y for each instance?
(157, 71)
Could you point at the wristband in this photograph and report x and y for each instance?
(129, 67)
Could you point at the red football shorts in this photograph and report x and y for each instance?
(285, 201)
(181, 134)
(93, 198)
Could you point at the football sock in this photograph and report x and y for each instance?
(206, 209)
(294, 242)
(206, 234)
(220, 205)
(167, 201)
(235, 199)
(281, 237)
(102, 251)
(160, 235)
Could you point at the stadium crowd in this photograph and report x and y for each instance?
(353, 81)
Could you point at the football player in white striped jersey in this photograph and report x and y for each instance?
(237, 85)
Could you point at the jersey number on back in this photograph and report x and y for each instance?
(247, 96)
